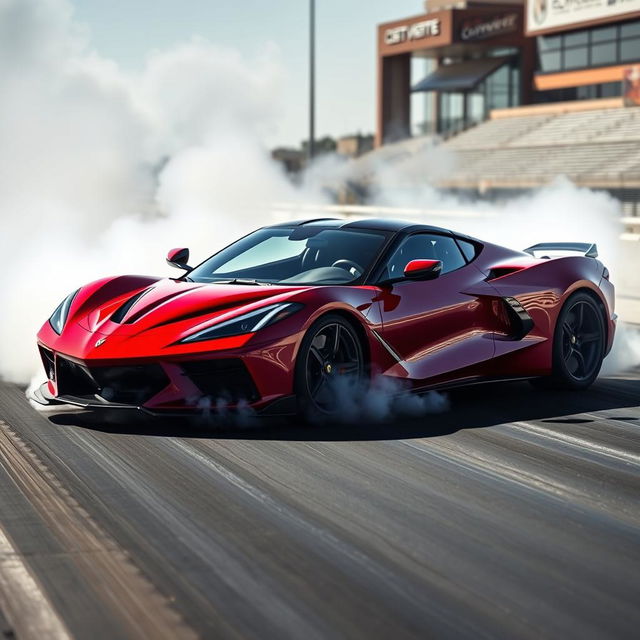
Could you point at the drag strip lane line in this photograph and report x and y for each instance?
(511, 477)
(492, 468)
(140, 610)
(611, 452)
(26, 608)
(357, 561)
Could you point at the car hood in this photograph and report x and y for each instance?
(168, 302)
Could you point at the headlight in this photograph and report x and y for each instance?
(247, 322)
(59, 316)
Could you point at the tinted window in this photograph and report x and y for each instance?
(550, 61)
(603, 53)
(630, 50)
(610, 89)
(587, 92)
(602, 34)
(575, 58)
(579, 37)
(598, 47)
(300, 255)
(548, 42)
(469, 249)
(630, 29)
(425, 246)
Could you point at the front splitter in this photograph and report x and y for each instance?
(41, 396)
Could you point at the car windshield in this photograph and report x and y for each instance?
(297, 255)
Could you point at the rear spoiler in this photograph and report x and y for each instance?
(590, 250)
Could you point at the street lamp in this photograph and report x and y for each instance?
(312, 79)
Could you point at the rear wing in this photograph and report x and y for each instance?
(590, 250)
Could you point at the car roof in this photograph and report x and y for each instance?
(380, 224)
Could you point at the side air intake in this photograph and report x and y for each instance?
(498, 272)
(521, 321)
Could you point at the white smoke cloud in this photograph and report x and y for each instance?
(381, 400)
(101, 170)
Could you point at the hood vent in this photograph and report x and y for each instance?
(224, 306)
(121, 312)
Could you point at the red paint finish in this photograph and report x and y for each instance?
(435, 327)
(450, 329)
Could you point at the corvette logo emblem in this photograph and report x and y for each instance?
(100, 341)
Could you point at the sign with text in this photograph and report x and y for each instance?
(481, 28)
(415, 31)
(549, 14)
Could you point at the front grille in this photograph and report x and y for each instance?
(74, 379)
(130, 385)
(226, 379)
(123, 385)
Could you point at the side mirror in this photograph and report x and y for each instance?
(423, 269)
(179, 258)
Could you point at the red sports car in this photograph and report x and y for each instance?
(276, 318)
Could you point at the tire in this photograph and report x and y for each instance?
(579, 343)
(330, 361)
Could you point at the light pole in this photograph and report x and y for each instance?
(312, 80)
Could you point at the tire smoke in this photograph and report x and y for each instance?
(101, 171)
(381, 400)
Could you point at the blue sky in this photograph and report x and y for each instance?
(125, 30)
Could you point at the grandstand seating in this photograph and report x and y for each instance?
(594, 145)
(597, 147)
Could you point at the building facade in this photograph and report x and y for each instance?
(445, 70)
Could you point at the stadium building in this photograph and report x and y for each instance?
(522, 91)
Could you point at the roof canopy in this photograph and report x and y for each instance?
(461, 76)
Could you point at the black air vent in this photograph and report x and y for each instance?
(120, 313)
(74, 379)
(48, 362)
(521, 321)
(498, 272)
(225, 379)
(133, 384)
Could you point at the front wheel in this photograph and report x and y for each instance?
(578, 344)
(330, 363)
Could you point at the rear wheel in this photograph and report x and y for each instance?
(330, 362)
(578, 345)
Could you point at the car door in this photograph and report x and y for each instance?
(440, 326)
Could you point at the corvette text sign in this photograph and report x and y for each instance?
(415, 31)
(483, 28)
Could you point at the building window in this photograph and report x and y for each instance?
(630, 50)
(551, 60)
(630, 29)
(585, 92)
(499, 90)
(576, 58)
(603, 34)
(589, 48)
(604, 53)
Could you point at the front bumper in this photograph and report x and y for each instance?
(260, 378)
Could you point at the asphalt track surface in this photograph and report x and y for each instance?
(516, 514)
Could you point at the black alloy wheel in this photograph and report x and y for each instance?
(579, 344)
(330, 362)
(582, 340)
